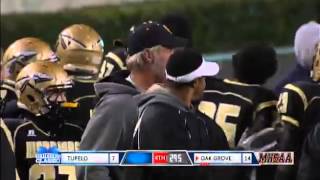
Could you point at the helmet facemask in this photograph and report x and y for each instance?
(57, 102)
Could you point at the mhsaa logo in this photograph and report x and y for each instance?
(276, 158)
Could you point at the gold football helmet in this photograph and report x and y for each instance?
(316, 64)
(80, 49)
(40, 85)
(19, 54)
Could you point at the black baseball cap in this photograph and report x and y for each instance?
(149, 34)
(186, 65)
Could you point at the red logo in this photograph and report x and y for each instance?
(160, 157)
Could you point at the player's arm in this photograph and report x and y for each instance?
(291, 106)
(19, 144)
(264, 115)
(8, 166)
(310, 158)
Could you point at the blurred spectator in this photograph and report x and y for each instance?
(305, 41)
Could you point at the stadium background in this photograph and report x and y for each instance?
(219, 27)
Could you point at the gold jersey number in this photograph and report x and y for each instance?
(283, 103)
(220, 113)
(37, 172)
(105, 70)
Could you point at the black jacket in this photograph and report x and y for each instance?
(83, 94)
(165, 123)
(310, 158)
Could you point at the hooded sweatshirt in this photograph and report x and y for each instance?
(165, 123)
(112, 124)
(175, 117)
(306, 38)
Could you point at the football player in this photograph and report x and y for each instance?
(242, 102)
(114, 61)
(17, 55)
(8, 162)
(310, 159)
(298, 105)
(41, 90)
(80, 50)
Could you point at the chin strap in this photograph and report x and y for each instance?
(2, 105)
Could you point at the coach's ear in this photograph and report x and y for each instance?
(148, 56)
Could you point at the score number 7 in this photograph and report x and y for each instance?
(220, 115)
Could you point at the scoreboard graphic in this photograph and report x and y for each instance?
(163, 158)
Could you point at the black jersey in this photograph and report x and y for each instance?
(299, 103)
(28, 137)
(8, 165)
(82, 93)
(310, 158)
(8, 104)
(236, 106)
(114, 61)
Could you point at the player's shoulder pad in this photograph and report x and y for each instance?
(301, 85)
(212, 82)
(265, 94)
(254, 92)
(20, 127)
(264, 98)
(7, 133)
(13, 123)
(86, 97)
(73, 126)
(295, 88)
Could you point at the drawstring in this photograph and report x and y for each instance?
(186, 126)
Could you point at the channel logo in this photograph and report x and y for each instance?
(48, 155)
